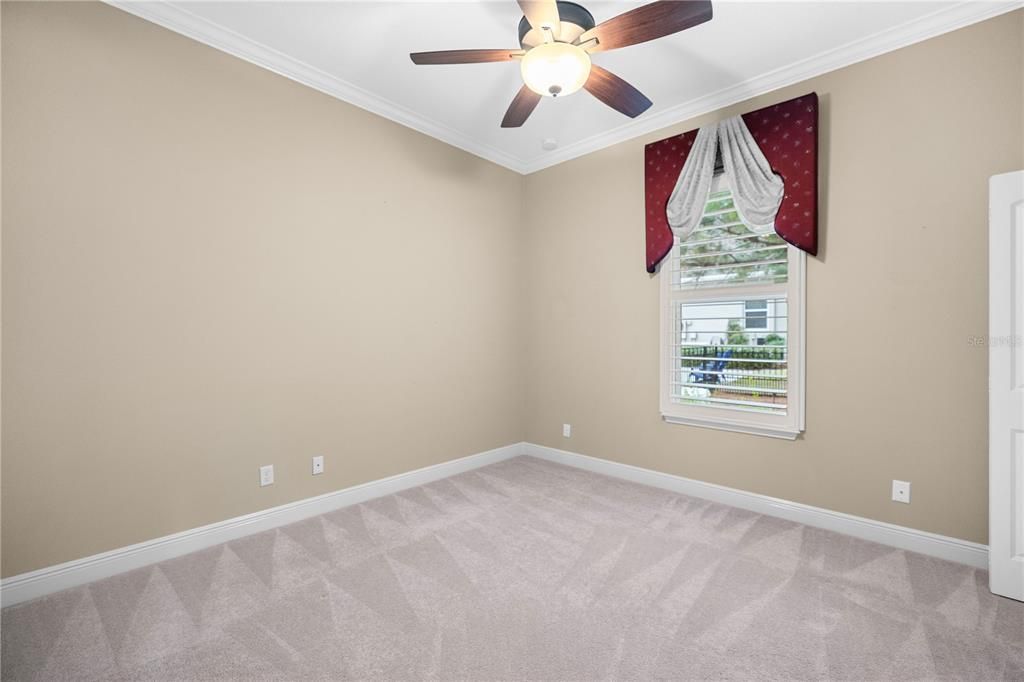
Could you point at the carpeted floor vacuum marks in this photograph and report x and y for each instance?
(527, 570)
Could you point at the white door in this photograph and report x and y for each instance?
(1006, 385)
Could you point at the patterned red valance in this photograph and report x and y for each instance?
(788, 136)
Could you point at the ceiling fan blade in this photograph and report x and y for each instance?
(522, 106)
(615, 92)
(464, 56)
(541, 13)
(648, 22)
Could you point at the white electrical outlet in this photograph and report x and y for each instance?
(566, 430)
(901, 491)
(266, 475)
(318, 465)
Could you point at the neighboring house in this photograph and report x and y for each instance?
(708, 324)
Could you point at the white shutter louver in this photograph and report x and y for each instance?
(730, 345)
(723, 251)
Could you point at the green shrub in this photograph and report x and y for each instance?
(735, 335)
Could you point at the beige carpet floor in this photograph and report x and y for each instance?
(528, 570)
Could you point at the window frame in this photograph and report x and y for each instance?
(787, 426)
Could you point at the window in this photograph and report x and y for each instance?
(732, 304)
(756, 314)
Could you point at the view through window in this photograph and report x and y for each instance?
(728, 315)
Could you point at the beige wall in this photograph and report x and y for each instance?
(208, 267)
(895, 389)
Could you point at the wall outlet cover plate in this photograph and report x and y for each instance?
(901, 491)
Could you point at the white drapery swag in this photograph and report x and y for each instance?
(757, 191)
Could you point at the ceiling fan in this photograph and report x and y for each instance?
(557, 39)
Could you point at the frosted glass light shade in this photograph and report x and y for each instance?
(555, 69)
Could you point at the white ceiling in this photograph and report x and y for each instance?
(358, 52)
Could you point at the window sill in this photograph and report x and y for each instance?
(736, 427)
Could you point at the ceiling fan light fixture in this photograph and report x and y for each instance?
(557, 37)
(555, 69)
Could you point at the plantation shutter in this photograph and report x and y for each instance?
(722, 251)
(729, 329)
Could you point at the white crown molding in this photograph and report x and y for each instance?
(922, 542)
(19, 588)
(935, 24)
(176, 18)
(179, 20)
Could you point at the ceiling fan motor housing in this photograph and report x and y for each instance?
(574, 19)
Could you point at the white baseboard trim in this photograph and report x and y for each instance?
(26, 586)
(922, 542)
(51, 579)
